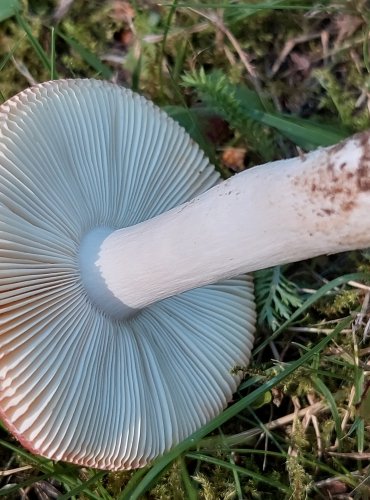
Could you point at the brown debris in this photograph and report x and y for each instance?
(301, 61)
(346, 25)
(122, 11)
(233, 158)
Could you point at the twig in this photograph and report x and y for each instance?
(292, 450)
(179, 32)
(353, 455)
(315, 424)
(15, 471)
(217, 21)
(314, 409)
(288, 47)
(356, 284)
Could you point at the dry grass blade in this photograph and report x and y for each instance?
(10, 472)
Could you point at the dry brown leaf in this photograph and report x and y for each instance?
(122, 11)
(346, 26)
(233, 158)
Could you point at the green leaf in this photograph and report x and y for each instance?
(262, 401)
(8, 8)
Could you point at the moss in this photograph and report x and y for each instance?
(115, 481)
(15, 42)
(170, 486)
(216, 484)
(299, 383)
(333, 306)
(343, 96)
(300, 481)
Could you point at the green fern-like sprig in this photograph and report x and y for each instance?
(218, 94)
(276, 297)
(223, 97)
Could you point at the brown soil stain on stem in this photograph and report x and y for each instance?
(332, 189)
(363, 173)
(333, 186)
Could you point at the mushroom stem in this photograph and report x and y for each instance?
(280, 212)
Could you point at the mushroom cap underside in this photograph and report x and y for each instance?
(75, 384)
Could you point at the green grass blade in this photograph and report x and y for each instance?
(164, 41)
(82, 487)
(365, 49)
(134, 490)
(305, 133)
(34, 42)
(191, 491)
(53, 72)
(91, 59)
(240, 470)
(61, 472)
(324, 391)
(135, 79)
(360, 435)
(4, 61)
(238, 486)
(33, 460)
(5, 492)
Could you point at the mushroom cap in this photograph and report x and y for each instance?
(76, 384)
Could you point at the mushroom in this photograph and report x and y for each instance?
(107, 386)
(121, 319)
